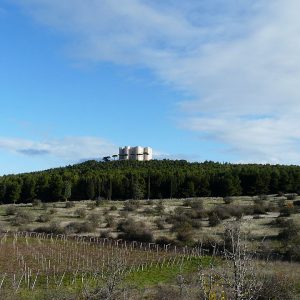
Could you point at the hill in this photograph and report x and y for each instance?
(154, 179)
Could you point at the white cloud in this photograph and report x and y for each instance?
(238, 62)
(69, 148)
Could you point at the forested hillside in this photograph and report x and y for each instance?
(152, 179)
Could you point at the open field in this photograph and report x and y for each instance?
(40, 266)
(74, 248)
(30, 263)
(104, 217)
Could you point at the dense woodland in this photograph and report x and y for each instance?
(154, 179)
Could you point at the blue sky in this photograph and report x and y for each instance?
(197, 80)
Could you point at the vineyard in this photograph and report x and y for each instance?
(31, 261)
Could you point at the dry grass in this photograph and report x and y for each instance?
(258, 228)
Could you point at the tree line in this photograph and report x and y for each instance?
(120, 180)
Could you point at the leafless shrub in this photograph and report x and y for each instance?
(78, 227)
(91, 205)
(110, 221)
(131, 205)
(134, 231)
(80, 212)
(54, 228)
(53, 211)
(159, 207)
(108, 287)
(163, 240)
(11, 210)
(160, 223)
(213, 220)
(22, 217)
(277, 286)
(228, 200)
(164, 292)
(44, 218)
(291, 196)
(95, 219)
(105, 234)
(70, 204)
(196, 204)
(36, 203)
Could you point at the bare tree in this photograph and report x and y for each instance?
(109, 283)
(238, 279)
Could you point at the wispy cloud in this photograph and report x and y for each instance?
(68, 149)
(237, 61)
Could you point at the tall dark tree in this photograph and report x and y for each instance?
(28, 191)
(90, 189)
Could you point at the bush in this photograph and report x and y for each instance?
(160, 208)
(286, 211)
(247, 210)
(228, 200)
(70, 204)
(149, 211)
(45, 206)
(80, 212)
(36, 203)
(150, 202)
(291, 196)
(44, 218)
(196, 204)
(11, 210)
(277, 287)
(91, 205)
(53, 211)
(22, 217)
(110, 221)
(281, 202)
(95, 219)
(98, 202)
(213, 220)
(270, 207)
(78, 227)
(223, 212)
(134, 231)
(290, 230)
(259, 209)
(279, 222)
(160, 223)
(185, 236)
(296, 203)
(235, 211)
(113, 208)
(163, 240)
(187, 202)
(196, 224)
(131, 205)
(54, 228)
(263, 197)
(105, 234)
(196, 213)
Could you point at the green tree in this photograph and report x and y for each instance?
(67, 191)
(2, 191)
(137, 190)
(13, 191)
(56, 186)
(28, 192)
(90, 189)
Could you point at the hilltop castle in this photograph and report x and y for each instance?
(135, 153)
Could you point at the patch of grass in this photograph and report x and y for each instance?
(158, 275)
